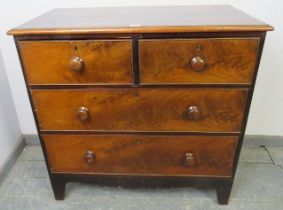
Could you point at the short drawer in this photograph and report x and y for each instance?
(151, 155)
(200, 61)
(141, 109)
(77, 62)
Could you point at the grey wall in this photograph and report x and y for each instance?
(10, 131)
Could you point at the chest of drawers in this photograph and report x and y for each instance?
(148, 96)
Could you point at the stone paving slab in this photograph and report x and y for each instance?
(10, 203)
(32, 153)
(35, 169)
(26, 188)
(254, 154)
(276, 155)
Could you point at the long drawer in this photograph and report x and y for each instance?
(200, 61)
(77, 62)
(141, 109)
(150, 155)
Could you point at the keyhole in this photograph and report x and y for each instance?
(198, 48)
(138, 141)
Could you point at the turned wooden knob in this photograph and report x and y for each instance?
(193, 113)
(83, 114)
(76, 64)
(189, 159)
(198, 63)
(89, 157)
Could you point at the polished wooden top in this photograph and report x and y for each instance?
(154, 19)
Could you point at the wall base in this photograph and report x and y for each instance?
(11, 159)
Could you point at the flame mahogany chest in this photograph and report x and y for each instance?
(141, 96)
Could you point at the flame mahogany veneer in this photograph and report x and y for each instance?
(141, 96)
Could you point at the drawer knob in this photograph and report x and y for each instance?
(189, 159)
(198, 63)
(76, 64)
(193, 113)
(83, 114)
(89, 157)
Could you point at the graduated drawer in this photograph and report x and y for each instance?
(229, 60)
(141, 109)
(151, 155)
(77, 62)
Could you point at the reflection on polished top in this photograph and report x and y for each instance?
(152, 19)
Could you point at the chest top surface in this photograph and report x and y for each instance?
(154, 19)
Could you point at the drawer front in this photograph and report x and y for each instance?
(141, 109)
(72, 62)
(166, 155)
(198, 60)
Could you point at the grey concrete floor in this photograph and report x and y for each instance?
(258, 185)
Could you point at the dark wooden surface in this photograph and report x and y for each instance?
(154, 19)
(226, 60)
(70, 25)
(104, 61)
(223, 193)
(59, 180)
(133, 109)
(150, 155)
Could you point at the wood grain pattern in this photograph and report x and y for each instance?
(48, 62)
(150, 19)
(141, 109)
(151, 155)
(230, 60)
(209, 100)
